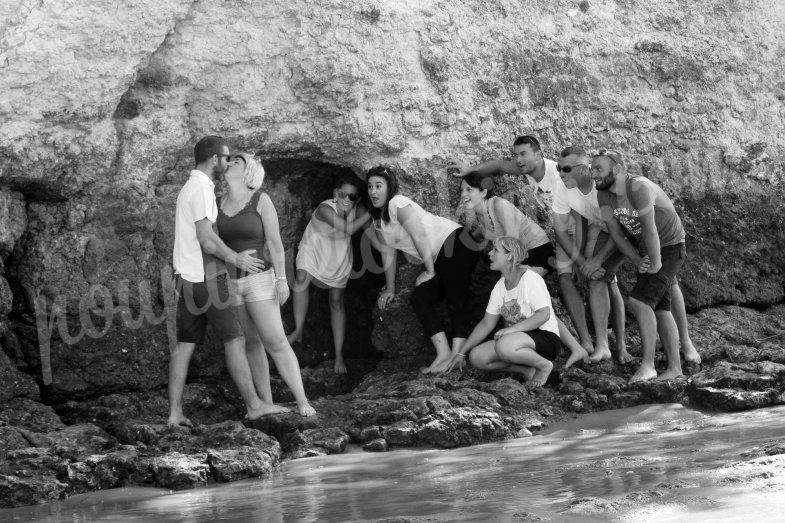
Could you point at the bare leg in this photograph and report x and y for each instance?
(178, 372)
(680, 316)
(600, 305)
(266, 315)
(300, 301)
(240, 371)
(484, 357)
(257, 361)
(666, 326)
(574, 303)
(443, 353)
(618, 322)
(338, 322)
(577, 352)
(647, 323)
(518, 348)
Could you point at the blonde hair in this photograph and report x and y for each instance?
(511, 245)
(253, 176)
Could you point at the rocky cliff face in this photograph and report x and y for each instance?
(101, 105)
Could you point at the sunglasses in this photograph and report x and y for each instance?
(568, 168)
(343, 195)
(227, 156)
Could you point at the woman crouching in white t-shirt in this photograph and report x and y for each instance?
(446, 251)
(529, 341)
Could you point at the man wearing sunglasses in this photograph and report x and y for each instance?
(637, 207)
(202, 289)
(543, 176)
(584, 243)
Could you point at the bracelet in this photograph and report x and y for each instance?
(461, 355)
(281, 278)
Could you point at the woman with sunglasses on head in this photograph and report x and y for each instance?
(325, 256)
(247, 221)
(446, 251)
(489, 217)
(529, 341)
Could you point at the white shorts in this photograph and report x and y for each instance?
(254, 287)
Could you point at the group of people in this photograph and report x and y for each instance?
(230, 267)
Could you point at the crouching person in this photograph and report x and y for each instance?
(529, 341)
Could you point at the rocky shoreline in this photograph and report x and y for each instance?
(55, 451)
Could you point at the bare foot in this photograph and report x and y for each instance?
(690, 354)
(600, 353)
(305, 409)
(541, 375)
(265, 410)
(179, 421)
(340, 366)
(294, 336)
(670, 374)
(588, 346)
(643, 374)
(623, 356)
(577, 355)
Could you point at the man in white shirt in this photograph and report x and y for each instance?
(543, 176)
(203, 294)
(589, 248)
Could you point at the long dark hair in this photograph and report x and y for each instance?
(389, 176)
(480, 181)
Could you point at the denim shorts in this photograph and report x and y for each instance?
(254, 287)
(654, 289)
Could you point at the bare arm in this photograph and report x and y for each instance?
(531, 323)
(561, 226)
(480, 332)
(651, 239)
(212, 244)
(617, 234)
(273, 241)
(328, 215)
(388, 263)
(490, 167)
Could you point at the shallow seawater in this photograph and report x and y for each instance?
(654, 463)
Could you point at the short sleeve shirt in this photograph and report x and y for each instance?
(573, 199)
(195, 202)
(522, 301)
(508, 220)
(641, 196)
(543, 190)
(432, 229)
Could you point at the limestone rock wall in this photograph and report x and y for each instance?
(101, 103)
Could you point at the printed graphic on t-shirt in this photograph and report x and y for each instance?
(629, 219)
(544, 198)
(512, 313)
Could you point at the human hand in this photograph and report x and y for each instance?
(385, 297)
(424, 277)
(644, 264)
(247, 261)
(655, 265)
(598, 274)
(591, 266)
(457, 360)
(503, 332)
(462, 169)
(281, 291)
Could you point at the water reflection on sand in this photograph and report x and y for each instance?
(655, 463)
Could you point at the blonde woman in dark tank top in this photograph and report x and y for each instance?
(247, 220)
